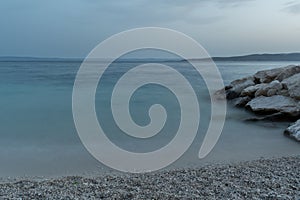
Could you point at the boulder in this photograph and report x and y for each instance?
(271, 92)
(236, 87)
(276, 117)
(294, 130)
(241, 101)
(275, 104)
(220, 94)
(267, 76)
(250, 91)
(268, 89)
(273, 95)
(288, 72)
(263, 89)
(283, 92)
(292, 84)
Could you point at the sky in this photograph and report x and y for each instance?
(72, 28)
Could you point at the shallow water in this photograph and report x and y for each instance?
(38, 136)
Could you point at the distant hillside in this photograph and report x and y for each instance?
(252, 57)
(36, 59)
(262, 57)
(39, 59)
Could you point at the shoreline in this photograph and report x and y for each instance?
(276, 178)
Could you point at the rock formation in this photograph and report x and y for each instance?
(271, 94)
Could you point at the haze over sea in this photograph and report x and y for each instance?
(38, 136)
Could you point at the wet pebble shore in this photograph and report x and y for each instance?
(261, 179)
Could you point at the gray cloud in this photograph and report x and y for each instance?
(220, 3)
(144, 12)
(141, 12)
(231, 3)
(71, 28)
(292, 7)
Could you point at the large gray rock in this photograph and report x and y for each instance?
(275, 104)
(283, 92)
(268, 89)
(236, 87)
(294, 130)
(288, 72)
(220, 94)
(276, 117)
(272, 94)
(292, 84)
(241, 101)
(250, 91)
(263, 89)
(267, 76)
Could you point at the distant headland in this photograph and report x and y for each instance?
(259, 57)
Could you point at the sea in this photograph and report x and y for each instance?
(38, 135)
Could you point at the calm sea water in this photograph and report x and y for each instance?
(38, 136)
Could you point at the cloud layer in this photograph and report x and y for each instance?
(293, 7)
(71, 28)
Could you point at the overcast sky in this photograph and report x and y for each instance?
(72, 28)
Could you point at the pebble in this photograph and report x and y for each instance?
(261, 179)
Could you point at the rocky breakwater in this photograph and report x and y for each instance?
(271, 94)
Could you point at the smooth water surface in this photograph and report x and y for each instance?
(38, 136)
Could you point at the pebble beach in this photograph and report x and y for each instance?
(277, 178)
